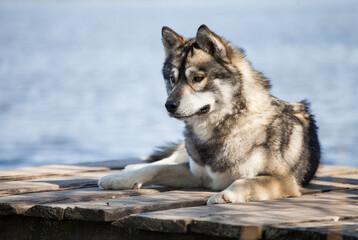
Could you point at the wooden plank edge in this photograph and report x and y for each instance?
(15, 192)
(51, 171)
(79, 213)
(218, 229)
(60, 196)
(20, 208)
(343, 228)
(40, 228)
(187, 226)
(80, 180)
(107, 211)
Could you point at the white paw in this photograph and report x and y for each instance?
(135, 166)
(226, 196)
(122, 180)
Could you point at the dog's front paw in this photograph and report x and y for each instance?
(122, 180)
(225, 196)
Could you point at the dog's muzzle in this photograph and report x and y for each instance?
(172, 106)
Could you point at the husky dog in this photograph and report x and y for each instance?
(239, 139)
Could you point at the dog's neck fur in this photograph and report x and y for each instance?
(255, 91)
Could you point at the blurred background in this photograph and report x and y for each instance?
(80, 81)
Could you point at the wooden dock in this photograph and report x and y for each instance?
(64, 202)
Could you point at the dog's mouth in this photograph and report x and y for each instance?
(202, 111)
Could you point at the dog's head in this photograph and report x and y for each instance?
(200, 76)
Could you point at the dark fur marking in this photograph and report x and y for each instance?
(185, 51)
(163, 151)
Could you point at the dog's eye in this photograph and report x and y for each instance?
(198, 79)
(172, 79)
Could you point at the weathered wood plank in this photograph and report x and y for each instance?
(347, 181)
(319, 187)
(332, 170)
(87, 179)
(315, 230)
(18, 204)
(46, 171)
(325, 184)
(329, 183)
(19, 227)
(113, 209)
(234, 220)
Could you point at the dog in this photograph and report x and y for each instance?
(239, 139)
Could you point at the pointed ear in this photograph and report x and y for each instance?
(210, 42)
(171, 40)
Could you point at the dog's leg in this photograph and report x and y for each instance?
(258, 188)
(170, 175)
(180, 155)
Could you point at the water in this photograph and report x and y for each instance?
(81, 81)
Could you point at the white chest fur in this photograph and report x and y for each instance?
(210, 179)
(220, 180)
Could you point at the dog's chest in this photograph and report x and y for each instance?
(210, 179)
(208, 154)
(238, 153)
(221, 153)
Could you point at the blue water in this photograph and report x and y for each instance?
(81, 80)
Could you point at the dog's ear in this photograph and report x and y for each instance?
(171, 40)
(210, 42)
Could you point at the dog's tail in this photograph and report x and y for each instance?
(165, 151)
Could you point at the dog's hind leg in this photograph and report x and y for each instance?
(170, 175)
(177, 155)
(257, 188)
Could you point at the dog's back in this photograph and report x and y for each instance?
(294, 136)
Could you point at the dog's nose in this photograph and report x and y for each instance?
(171, 106)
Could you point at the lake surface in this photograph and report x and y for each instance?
(81, 81)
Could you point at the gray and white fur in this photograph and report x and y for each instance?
(239, 139)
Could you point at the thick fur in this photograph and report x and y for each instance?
(239, 139)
